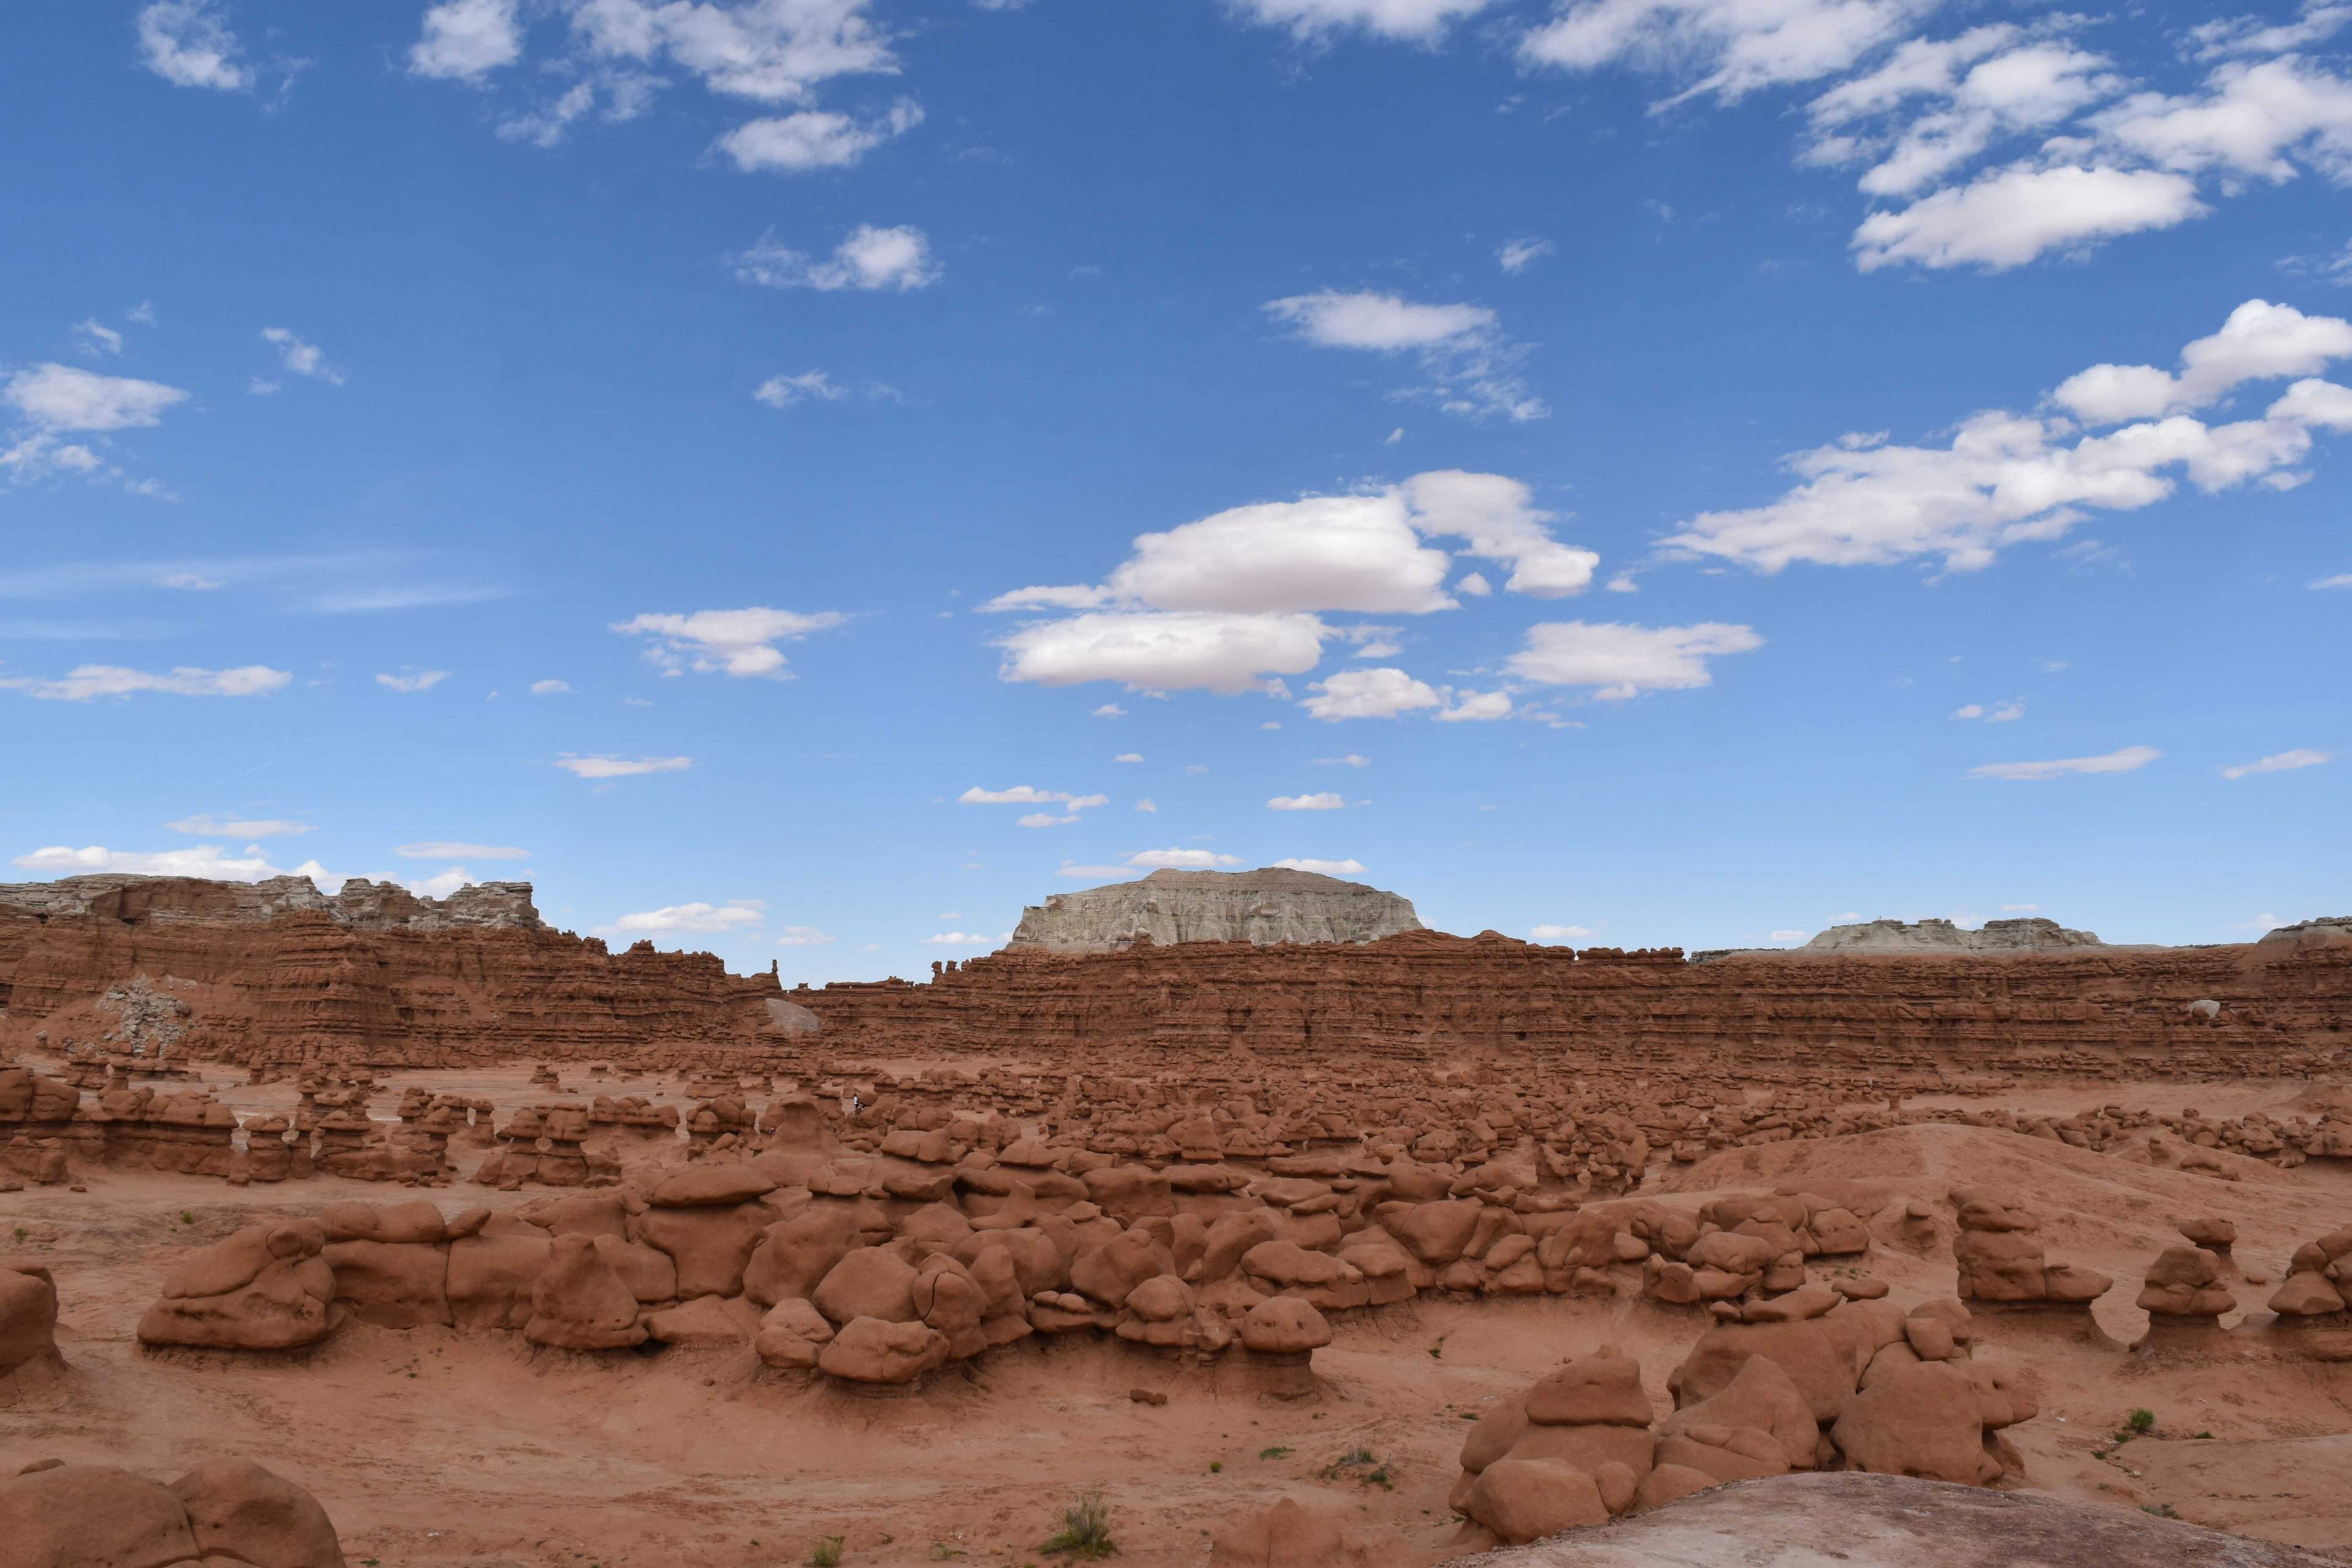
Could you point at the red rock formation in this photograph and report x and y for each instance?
(1421, 996)
(278, 974)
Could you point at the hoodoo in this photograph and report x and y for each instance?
(1266, 906)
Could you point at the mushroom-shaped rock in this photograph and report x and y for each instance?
(93, 1516)
(791, 1334)
(1760, 1397)
(710, 1186)
(1923, 1421)
(29, 1316)
(869, 1350)
(1604, 1388)
(265, 1288)
(868, 1282)
(1284, 1325)
(579, 1303)
(240, 1513)
(2185, 1282)
(1524, 1499)
(1283, 1536)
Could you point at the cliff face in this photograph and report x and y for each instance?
(1943, 936)
(278, 971)
(1257, 907)
(1424, 997)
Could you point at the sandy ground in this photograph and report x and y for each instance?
(435, 1447)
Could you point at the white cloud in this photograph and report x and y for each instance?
(1026, 794)
(1518, 254)
(1475, 583)
(1381, 693)
(736, 914)
(301, 358)
(1791, 935)
(189, 43)
(2257, 35)
(2120, 762)
(550, 687)
(2009, 216)
(2341, 580)
(1348, 868)
(1556, 934)
(207, 860)
(1129, 757)
(2281, 762)
(1326, 800)
(467, 39)
(1471, 366)
(238, 828)
(86, 681)
(1165, 651)
(733, 642)
(1352, 760)
(2247, 120)
(1094, 873)
(958, 939)
(784, 391)
(1417, 19)
(67, 397)
(441, 885)
(1045, 819)
(1999, 713)
(2260, 342)
(442, 850)
(1236, 592)
(814, 139)
(1180, 860)
(2007, 478)
(605, 767)
(1109, 710)
(870, 259)
(1619, 660)
(423, 681)
(99, 337)
(1476, 707)
(1732, 46)
(803, 936)
(1145, 806)
(2021, 909)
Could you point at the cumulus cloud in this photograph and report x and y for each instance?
(814, 139)
(464, 40)
(1732, 48)
(550, 687)
(423, 681)
(445, 849)
(732, 642)
(870, 259)
(1326, 800)
(1476, 707)
(1999, 713)
(803, 936)
(1618, 660)
(609, 767)
(207, 860)
(1471, 366)
(1348, 868)
(1558, 933)
(2279, 762)
(1165, 651)
(959, 939)
(85, 682)
(238, 826)
(736, 914)
(67, 397)
(1421, 20)
(2006, 478)
(301, 358)
(1026, 794)
(1180, 860)
(2010, 217)
(189, 42)
(1382, 693)
(2260, 342)
(1233, 601)
(2119, 761)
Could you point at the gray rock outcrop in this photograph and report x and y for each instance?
(163, 900)
(2326, 928)
(1263, 907)
(2031, 935)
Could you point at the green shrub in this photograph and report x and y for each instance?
(2141, 1421)
(1086, 1529)
(826, 1552)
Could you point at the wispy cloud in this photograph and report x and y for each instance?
(2119, 761)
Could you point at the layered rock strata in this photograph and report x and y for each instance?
(1273, 905)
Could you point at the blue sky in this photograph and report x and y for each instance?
(805, 477)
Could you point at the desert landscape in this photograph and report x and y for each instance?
(489, 1245)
